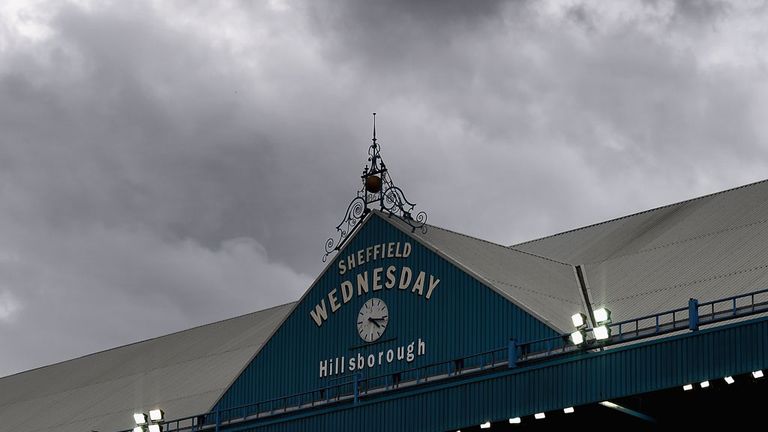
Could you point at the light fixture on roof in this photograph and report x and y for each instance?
(757, 374)
(486, 425)
(155, 423)
(602, 332)
(515, 420)
(579, 320)
(704, 384)
(156, 415)
(602, 316)
(577, 337)
(729, 379)
(568, 410)
(539, 416)
(688, 387)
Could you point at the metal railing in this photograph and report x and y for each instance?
(512, 355)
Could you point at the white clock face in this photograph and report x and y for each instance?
(372, 320)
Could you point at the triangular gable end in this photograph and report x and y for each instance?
(386, 303)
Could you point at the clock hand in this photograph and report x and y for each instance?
(375, 321)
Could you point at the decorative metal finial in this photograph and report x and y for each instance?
(377, 187)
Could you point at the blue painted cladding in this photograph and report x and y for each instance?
(576, 380)
(461, 318)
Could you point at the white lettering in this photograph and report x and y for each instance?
(418, 286)
(362, 283)
(433, 281)
(340, 365)
(347, 290)
(333, 301)
(377, 278)
(390, 277)
(320, 314)
(405, 277)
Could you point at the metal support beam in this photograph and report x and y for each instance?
(625, 410)
(357, 386)
(512, 353)
(693, 314)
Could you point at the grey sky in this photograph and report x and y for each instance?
(168, 164)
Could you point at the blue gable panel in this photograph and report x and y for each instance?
(459, 317)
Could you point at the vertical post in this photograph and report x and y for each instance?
(218, 418)
(693, 314)
(357, 387)
(512, 353)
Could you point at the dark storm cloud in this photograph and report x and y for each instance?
(169, 164)
(592, 105)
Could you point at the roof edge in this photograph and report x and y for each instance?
(144, 340)
(484, 281)
(636, 214)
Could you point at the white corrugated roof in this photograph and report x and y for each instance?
(185, 372)
(706, 248)
(545, 288)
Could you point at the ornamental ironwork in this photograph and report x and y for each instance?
(378, 189)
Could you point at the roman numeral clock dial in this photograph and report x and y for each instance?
(372, 320)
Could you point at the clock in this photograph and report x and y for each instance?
(372, 319)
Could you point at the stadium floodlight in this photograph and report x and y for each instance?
(704, 384)
(568, 410)
(486, 425)
(729, 379)
(757, 374)
(156, 415)
(539, 416)
(602, 332)
(155, 428)
(140, 418)
(579, 320)
(577, 337)
(688, 387)
(138, 429)
(602, 315)
(515, 420)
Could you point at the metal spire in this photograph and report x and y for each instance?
(378, 187)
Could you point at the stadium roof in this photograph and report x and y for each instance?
(706, 248)
(185, 371)
(709, 247)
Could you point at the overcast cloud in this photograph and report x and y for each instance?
(168, 164)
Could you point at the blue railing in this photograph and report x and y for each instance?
(513, 355)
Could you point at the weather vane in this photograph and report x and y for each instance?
(377, 188)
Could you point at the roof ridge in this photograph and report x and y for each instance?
(487, 241)
(639, 213)
(145, 340)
